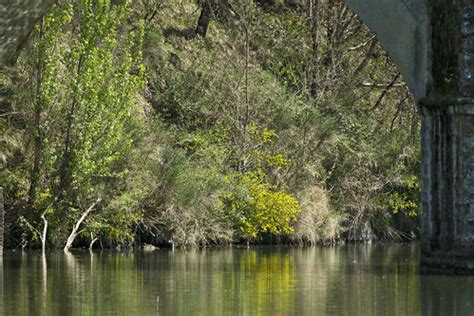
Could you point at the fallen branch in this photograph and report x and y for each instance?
(75, 230)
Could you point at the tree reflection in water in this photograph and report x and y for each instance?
(355, 279)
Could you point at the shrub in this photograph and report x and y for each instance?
(317, 222)
(260, 208)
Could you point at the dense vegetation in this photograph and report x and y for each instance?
(205, 122)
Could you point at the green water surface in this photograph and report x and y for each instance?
(377, 279)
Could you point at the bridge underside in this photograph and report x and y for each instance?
(17, 19)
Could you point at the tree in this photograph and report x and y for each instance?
(87, 74)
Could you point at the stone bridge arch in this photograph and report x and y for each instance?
(432, 44)
(402, 27)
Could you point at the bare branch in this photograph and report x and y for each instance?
(74, 232)
(385, 91)
(9, 113)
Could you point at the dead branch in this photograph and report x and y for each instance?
(382, 85)
(75, 229)
(385, 91)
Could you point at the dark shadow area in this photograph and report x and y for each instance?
(186, 33)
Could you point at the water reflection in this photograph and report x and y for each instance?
(352, 280)
(447, 295)
(2, 309)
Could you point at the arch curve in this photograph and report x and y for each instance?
(17, 20)
(403, 29)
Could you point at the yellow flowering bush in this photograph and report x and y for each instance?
(261, 208)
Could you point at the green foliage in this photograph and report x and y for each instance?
(101, 88)
(222, 139)
(83, 72)
(407, 201)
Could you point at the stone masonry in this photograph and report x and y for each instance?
(448, 146)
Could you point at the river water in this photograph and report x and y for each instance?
(377, 279)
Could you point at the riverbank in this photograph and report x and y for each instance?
(169, 132)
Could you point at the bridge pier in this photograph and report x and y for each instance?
(448, 188)
(433, 47)
(448, 143)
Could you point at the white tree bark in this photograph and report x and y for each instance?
(45, 231)
(75, 230)
(93, 240)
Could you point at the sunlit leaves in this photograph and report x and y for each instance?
(86, 63)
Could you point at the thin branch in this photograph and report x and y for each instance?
(9, 113)
(399, 110)
(367, 56)
(385, 91)
(361, 45)
(382, 85)
(93, 240)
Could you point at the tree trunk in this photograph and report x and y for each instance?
(93, 240)
(313, 22)
(65, 172)
(45, 232)
(328, 60)
(38, 141)
(204, 19)
(75, 230)
(2, 215)
(36, 159)
(247, 23)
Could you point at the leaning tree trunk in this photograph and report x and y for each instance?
(204, 19)
(75, 230)
(2, 213)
